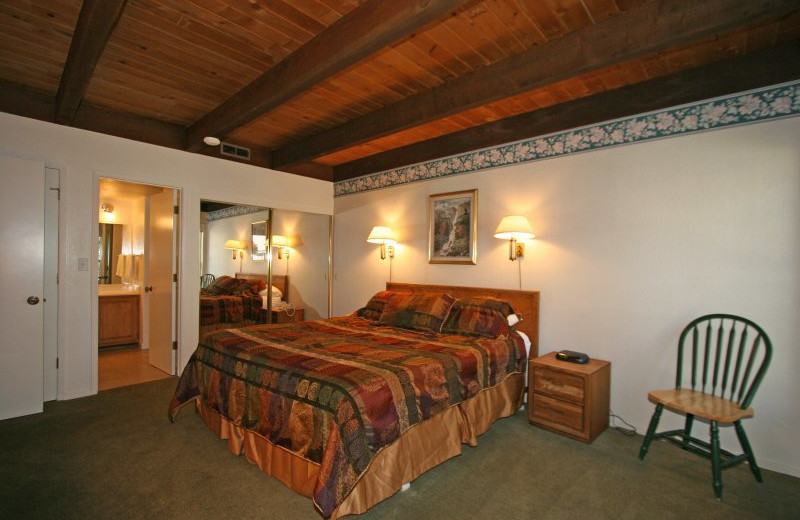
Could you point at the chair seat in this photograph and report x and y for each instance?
(700, 404)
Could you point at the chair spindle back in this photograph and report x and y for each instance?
(729, 357)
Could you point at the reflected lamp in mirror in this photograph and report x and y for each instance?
(514, 228)
(282, 243)
(386, 238)
(236, 245)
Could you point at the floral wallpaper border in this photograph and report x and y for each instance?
(233, 211)
(759, 105)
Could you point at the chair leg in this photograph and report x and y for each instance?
(716, 464)
(651, 430)
(687, 430)
(751, 458)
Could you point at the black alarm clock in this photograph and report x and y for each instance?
(572, 356)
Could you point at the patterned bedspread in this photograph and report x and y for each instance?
(229, 308)
(336, 391)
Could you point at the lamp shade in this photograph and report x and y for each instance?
(235, 244)
(382, 235)
(279, 241)
(514, 227)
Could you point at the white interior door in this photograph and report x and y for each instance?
(21, 276)
(159, 286)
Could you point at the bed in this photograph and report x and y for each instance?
(347, 410)
(230, 302)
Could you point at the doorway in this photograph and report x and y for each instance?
(137, 252)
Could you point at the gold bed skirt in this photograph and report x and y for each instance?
(419, 449)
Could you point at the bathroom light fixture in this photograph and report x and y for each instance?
(107, 213)
(514, 228)
(211, 140)
(386, 238)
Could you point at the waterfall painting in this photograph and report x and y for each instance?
(453, 221)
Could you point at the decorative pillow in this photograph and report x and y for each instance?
(417, 311)
(249, 286)
(374, 307)
(222, 285)
(478, 316)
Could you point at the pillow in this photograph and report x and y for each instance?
(417, 311)
(222, 285)
(374, 307)
(478, 316)
(275, 292)
(249, 286)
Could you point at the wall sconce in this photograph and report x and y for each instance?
(513, 228)
(386, 238)
(236, 245)
(282, 243)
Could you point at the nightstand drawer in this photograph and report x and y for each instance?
(558, 384)
(557, 413)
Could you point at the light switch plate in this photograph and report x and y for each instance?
(83, 264)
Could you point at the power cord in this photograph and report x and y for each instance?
(629, 431)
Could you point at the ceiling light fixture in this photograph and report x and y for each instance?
(211, 141)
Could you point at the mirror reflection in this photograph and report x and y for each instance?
(245, 242)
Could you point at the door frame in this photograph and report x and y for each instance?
(176, 322)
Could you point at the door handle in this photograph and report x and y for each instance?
(148, 288)
(33, 300)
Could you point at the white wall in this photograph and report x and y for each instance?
(83, 157)
(632, 243)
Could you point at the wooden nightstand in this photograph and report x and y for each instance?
(282, 316)
(569, 398)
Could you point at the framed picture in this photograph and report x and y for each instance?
(258, 240)
(452, 228)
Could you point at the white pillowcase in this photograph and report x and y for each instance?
(275, 292)
(527, 342)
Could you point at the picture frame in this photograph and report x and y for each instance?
(452, 227)
(258, 241)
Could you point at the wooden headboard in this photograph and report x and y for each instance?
(281, 281)
(525, 303)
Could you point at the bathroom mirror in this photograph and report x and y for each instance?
(109, 249)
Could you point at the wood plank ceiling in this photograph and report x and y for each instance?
(334, 89)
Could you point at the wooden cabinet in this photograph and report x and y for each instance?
(569, 398)
(283, 316)
(118, 320)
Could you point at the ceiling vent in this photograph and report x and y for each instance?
(233, 150)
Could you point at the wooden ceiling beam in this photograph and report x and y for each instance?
(767, 67)
(96, 22)
(653, 27)
(359, 34)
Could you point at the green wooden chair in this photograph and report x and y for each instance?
(206, 279)
(725, 358)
